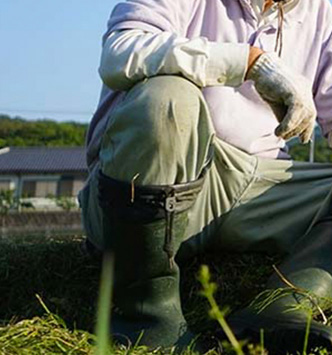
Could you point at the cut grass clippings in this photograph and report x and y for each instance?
(46, 335)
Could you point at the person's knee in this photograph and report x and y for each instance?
(162, 89)
(156, 113)
(153, 130)
(164, 105)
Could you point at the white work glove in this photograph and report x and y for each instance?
(288, 94)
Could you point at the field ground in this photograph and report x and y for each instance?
(67, 283)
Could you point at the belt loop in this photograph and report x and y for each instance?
(133, 188)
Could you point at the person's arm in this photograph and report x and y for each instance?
(130, 56)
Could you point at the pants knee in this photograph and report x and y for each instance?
(165, 106)
(156, 123)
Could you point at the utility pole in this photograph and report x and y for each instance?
(312, 148)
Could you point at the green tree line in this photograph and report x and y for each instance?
(17, 132)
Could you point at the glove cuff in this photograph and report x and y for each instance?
(264, 66)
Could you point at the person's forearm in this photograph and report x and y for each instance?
(130, 56)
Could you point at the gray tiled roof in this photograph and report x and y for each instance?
(31, 160)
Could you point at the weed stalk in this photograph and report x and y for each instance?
(104, 307)
(209, 288)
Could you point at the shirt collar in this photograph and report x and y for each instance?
(255, 7)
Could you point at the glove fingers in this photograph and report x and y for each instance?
(297, 122)
(306, 135)
(291, 124)
(291, 134)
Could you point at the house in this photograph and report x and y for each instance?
(38, 173)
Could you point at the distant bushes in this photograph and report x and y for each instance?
(323, 153)
(17, 132)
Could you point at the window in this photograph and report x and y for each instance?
(46, 188)
(66, 187)
(29, 189)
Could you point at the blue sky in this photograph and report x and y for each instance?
(49, 57)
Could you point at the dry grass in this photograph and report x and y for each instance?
(47, 335)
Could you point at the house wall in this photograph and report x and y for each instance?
(78, 184)
(8, 182)
(5, 185)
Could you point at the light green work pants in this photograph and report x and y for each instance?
(162, 130)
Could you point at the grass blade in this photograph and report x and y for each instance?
(307, 332)
(104, 306)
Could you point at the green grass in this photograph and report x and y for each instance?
(67, 282)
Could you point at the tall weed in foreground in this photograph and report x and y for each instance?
(208, 291)
(262, 301)
(104, 344)
(307, 332)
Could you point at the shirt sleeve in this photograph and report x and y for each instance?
(153, 15)
(129, 56)
(323, 88)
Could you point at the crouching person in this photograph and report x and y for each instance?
(187, 153)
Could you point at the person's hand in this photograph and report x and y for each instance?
(288, 94)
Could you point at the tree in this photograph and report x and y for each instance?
(17, 132)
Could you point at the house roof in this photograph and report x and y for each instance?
(46, 160)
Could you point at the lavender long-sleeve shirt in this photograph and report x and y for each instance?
(221, 30)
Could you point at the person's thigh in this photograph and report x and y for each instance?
(278, 208)
(266, 207)
(232, 173)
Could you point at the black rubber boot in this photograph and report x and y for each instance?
(144, 227)
(284, 323)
